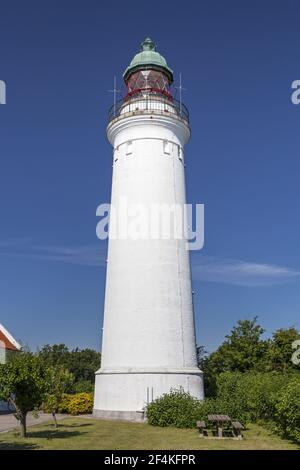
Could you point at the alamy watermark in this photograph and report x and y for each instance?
(2, 92)
(295, 96)
(135, 221)
(296, 354)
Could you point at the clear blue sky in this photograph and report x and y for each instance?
(238, 60)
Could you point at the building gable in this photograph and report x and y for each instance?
(7, 341)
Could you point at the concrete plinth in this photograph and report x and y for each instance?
(134, 416)
(124, 395)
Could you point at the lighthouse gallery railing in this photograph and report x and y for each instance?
(145, 105)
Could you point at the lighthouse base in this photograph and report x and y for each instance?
(124, 395)
(133, 416)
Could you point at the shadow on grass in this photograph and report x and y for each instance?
(17, 446)
(75, 425)
(53, 434)
(47, 434)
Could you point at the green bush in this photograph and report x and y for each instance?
(83, 386)
(176, 408)
(270, 397)
(246, 397)
(220, 406)
(287, 410)
(79, 403)
(251, 396)
(181, 410)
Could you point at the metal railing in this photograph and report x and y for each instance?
(149, 104)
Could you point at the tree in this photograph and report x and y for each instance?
(242, 350)
(56, 354)
(208, 376)
(280, 349)
(59, 381)
(82, 363)
(201, 355)
(22, 384)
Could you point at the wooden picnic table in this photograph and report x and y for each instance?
(219, 420)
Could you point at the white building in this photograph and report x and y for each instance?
(148, 342)
(8, 345)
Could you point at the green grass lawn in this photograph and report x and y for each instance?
(85, 433)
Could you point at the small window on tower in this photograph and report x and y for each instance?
(129, 147)
(167, 147)
(179, 152)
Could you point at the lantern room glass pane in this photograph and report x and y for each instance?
(150, 81)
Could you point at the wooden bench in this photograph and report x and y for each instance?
(237, 428)
(202, 428)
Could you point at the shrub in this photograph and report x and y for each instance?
(64, 404)
(79, 403)
(220, 406)
(250, 396)
(287, 411)
(246, 397)
(83, 386)
(176, 408)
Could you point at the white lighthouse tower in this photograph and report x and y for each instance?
(148, 345)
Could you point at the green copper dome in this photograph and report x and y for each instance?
(147, 59)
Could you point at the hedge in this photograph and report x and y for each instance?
(79, 403)
(246, 397)
(287, 411)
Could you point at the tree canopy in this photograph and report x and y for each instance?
(244, 350)
(59, 382)
(23, 382)
(82, 363)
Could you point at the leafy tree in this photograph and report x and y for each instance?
(82, 363)
(201, 355)
(59, 382)
(57, 354)
(208, 375)
(280, 349)
(287, 415)
(242, 350)
(22, 384)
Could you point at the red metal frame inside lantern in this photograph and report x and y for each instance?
(149, 81)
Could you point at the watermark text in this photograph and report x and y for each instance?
(2, 92)
(136, 221)
(295, 96)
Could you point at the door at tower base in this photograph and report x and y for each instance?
(125, 395)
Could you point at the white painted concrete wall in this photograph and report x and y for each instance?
(149, 334)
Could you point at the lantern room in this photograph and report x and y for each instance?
(148, 72)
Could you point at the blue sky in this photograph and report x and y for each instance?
(238, 60)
